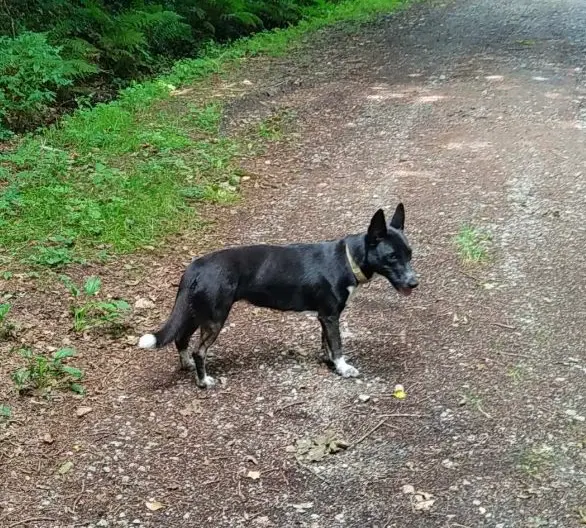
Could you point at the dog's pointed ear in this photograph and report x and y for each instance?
(377, 229)
(398, 221)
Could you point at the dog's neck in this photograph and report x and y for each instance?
(355, 249)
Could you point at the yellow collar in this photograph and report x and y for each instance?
(358, 273)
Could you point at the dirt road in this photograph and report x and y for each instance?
(471, 113)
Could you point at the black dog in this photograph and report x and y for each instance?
(301, 277)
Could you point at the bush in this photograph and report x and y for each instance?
(123, 40)
(31, 73)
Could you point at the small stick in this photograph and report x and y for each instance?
(78, 497)
(515, 355)
(29, 520)
(403, 416)
(240, 494)
(508, 327)
(368, 433)
(470, 276)
(300, 402)
(483, 412)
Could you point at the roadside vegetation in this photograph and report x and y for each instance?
(114, 177)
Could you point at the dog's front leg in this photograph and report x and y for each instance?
(333, 341)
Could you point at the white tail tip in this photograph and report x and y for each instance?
(147, 341)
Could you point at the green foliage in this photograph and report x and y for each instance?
(51, 43)
(7, 329)
(90, 312)
(5, 413)
(45, 373)
(472, 244)
(4, 309)
(31, 73)
(122, 175)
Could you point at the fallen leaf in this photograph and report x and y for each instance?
(424, 505)
(144, 304)
(154, 505)
(65, 468)
(82, 411)
(399, 392)
(254, 475)
(423, 501)
(316, 449)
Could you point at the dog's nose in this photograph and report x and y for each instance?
(413, 283)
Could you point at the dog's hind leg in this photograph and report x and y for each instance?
(331, 335)
(182, 344)
(209, 334)
(325, 348)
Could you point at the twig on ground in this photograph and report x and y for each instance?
(368, 433)
(403, 415)
(77, 499)
(470, 276)
(502, 325)
(280, 409)
(240, 494)
(30, 520)
(514, 355)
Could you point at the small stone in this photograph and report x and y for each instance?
(48, 439)
(339, 517)
(82, 411)
(447, 463)
(364, 397)
(408, 489)
(103, 523)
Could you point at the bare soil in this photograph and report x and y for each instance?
(470, 112)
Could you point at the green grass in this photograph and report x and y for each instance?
(472, 244)
(123, 175)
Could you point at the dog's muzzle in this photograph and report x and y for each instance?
(408, 289)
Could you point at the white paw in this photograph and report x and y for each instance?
(345, 370)
(206, 383)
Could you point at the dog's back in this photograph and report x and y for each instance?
(293, 277)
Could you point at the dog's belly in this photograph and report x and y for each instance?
(286, 301)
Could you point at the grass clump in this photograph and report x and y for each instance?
(5, 413)
(7, 329)
(43, 373)
(472, 244)
(89, 311)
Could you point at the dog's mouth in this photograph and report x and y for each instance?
(406, 291)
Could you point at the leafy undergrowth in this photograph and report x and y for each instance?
(122, 175)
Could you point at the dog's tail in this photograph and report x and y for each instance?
(179, 317)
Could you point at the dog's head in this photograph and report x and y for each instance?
(388, 252)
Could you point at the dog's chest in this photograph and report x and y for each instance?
(351, 291)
